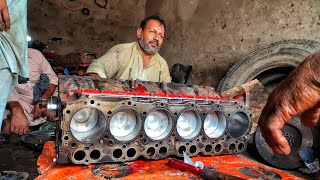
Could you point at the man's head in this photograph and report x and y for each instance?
(150, 34)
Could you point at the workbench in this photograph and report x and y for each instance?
(151, 169)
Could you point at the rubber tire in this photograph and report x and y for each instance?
(276, 59)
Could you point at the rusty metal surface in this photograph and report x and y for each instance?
(104, 99)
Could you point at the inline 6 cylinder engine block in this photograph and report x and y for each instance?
(107, 120)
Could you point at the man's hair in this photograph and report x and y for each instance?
(154, 17)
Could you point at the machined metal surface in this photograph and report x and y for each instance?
(110, 120)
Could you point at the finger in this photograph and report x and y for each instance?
(6, 18)
(25, 130)
(282, 145)
(1, 23)
(12, 128)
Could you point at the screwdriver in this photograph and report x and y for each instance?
(205, 173)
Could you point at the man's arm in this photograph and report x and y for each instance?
(45, 68)
(107, 65)
(4, 16)
(298, 94)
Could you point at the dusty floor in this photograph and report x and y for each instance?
(16, 156)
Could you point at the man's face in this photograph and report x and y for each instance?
(151, 37)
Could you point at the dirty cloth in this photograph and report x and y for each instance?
(13, 51)
(124, 61)
(23, 93)
(40, 87)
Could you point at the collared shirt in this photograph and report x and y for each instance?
(23, 93)
(124, 61)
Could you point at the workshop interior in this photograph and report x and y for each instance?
(224, 59)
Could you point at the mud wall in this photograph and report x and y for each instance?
(210, 35)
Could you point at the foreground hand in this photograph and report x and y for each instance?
(4, 16)
(19, 123)
(37, 112)
(298, 94)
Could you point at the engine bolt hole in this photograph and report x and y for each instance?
(79, 155)
(192, 149)
(218, 148)
(95, 154)
(131, 152)
(151, 151)
(241, 147)
(117, 153)
(182, 149)
(163, 151)
(73, 144)
(208, 148)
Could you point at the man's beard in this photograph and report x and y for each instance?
(146, 47)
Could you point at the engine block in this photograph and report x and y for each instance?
(107, 120)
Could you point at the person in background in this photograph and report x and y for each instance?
(24, 110)
(136, 60)
(298, 94)
(13, 49)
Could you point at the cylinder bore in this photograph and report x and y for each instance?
(214, 124)
(125, 124)
(188, 124)
(238, 124)
(88, 124)
(158, 124)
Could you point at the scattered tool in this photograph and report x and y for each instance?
(198, 168)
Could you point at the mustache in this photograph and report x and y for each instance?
(154, 41)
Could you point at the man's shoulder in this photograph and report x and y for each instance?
(122, 47)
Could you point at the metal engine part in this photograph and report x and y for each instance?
(299, 138)
(109, 120)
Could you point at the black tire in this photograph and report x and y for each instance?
(269, 64)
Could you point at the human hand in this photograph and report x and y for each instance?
(4, 16)
(19, 123)
(298, 94)
(37, 112)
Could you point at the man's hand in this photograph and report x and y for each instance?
(4, 16)
(19, 121)
(297, 94)
(37, 112)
